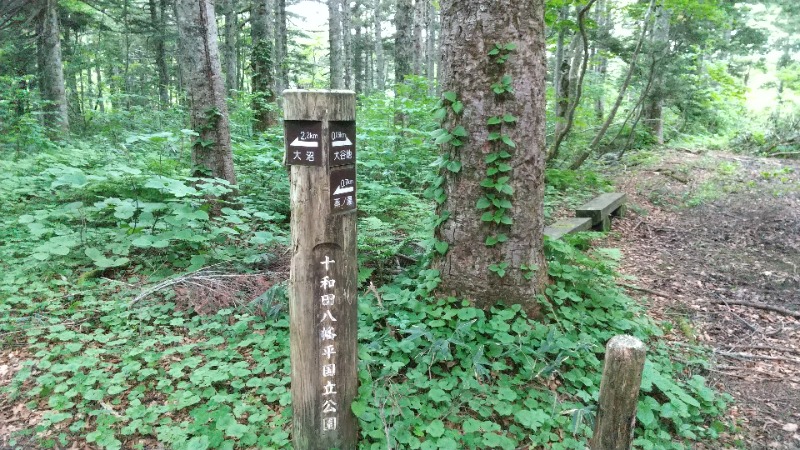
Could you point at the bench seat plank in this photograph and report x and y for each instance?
(566, 226)
(601, 206)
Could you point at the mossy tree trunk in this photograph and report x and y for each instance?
(470, 30)
(197, 31)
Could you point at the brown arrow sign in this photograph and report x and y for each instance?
(303, 142)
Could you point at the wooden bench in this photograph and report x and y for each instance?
(566, 226)
(601, 208)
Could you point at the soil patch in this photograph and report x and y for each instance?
(711, 233)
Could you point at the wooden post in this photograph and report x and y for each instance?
(320, 147)
(619, 394)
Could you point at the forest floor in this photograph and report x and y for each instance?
(710, 238)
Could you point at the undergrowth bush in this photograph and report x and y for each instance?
(89, 227)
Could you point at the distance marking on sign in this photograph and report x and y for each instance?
(343, 189)
(303, 142)
(343, 143)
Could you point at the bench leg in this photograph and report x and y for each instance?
(604, 225)
(620, 212)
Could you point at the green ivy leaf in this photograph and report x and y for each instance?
(493, 121)
(457, 107)
(487, 217)
(444, 138)
(507, 140)
(454, 166)
(509, 118)
(483, 203)
(459, 131)
(493, 136)
(441, 247)
(449, 96)
(440, 114)
(511, 46)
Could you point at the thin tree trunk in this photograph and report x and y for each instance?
(161, 59)
(231, 31)
(576, 98)
(281, 44)
(430, 46)
(611, 114)
(335, 44)
(197, 30)
(51, 69)
(558, 73)
(380, 65)
(419, 18)
(101, 104)
(263, 81)
(653, 109)
(403, 40)
(358, 50)
(347, 44)
(281, 48)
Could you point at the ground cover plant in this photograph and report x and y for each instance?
(107, 250)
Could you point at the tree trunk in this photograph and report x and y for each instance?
(419, 19)
(231, 31)
(653, 109)
(281, 47)
(403, 40)
(430, 46)
(380, 65)
(197, 30)
(335, 44)
(261, 34)
(347, 44)
(51, 69)
(358, 50)
(513, 271)
(161, 59)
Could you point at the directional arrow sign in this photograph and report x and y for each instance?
(298, 143)
(342, 151)
(343, 189)
(303, 142)
(345, 143)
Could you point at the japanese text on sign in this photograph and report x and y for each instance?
(303, 142)
(343, 189)
(327, 335)
(343, 143)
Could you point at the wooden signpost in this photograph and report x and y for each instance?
(320, 149)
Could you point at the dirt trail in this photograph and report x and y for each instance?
(699, 256)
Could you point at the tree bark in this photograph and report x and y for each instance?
(336, 48)
(197, 30)
(157, 19)
(231, 31)
(470, 30)
(51, 70)
(380, 65)
(403, 40)
(653, 109)
(347, 44)
(419, 19)
(430, 46)
(263, 81)
(281, 47)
